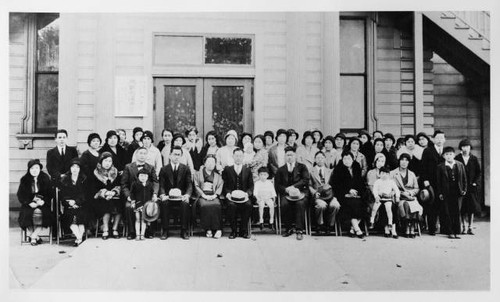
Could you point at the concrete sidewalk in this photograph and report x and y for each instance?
(264, 263)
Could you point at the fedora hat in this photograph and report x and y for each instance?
(150, 211)
(174, 194)
(294, 194)
(238, 196)
(426, 195)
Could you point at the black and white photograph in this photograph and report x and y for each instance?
(309, 148)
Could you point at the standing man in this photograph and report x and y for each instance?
(129, 176)
(59, 157)
(238, 177)
(292, 183)
(175, 176)
(431, 158)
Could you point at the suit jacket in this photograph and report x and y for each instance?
(412, 184)
(472, 169)
(315, 180)
(430, 160)
(300, 178)
(442, 180)
(229, 176)
(57, 165)
(129, 176)
(184, 179)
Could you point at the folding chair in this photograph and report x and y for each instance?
(24, 234)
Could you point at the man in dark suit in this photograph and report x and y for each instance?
(129, 176)
(292, 175)
(451, 187)
(59, 157)
(238, 177)
(175, 176)
(431, 158)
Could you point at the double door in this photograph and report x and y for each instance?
(208, 104)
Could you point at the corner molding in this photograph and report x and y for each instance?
(26, 140)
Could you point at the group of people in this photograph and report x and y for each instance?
(339, 178)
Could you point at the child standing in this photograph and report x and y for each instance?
(265, 193)
(451, 187)
(384, 191)
(141, 191)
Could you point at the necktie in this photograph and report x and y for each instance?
(62, 152)
(175, 175)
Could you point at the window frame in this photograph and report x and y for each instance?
(370, 120)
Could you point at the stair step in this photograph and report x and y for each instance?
(475, 38)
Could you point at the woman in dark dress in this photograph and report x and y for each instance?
(470, 203)
(390, 151)
(73, 187)
(367, 147)
(106, 193)
(88, 163)
(208, 184)
(35, 194)
(120, 156)
(349, 189)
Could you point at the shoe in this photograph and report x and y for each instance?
(464, 232)
(218, 234)
(300, 236)
(371, 226)
(451, 237)
(105, 236)
(131, 237)
(360, 235)
(33, 242)
(184, 235)
(432, 233)
(39, 241)
(352, 234)
(271, 226)
(141, 237)
(469, 231)
(246, 235)
(261, 226)
(395, 236)
(137, 238)
(148, 236)
(209, 234)
(456, 237)
(164, 236)
(232, 235)
(287, 233)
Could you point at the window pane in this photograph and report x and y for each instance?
(46, 102)
(47, 42)
(228, 51)
(352, 105)
(180, 110)
(178, 50)
(352, 46)
(227, 106)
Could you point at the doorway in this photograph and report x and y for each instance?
(207, 103)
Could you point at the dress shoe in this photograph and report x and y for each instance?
(395, 236)
(451, 237)
(300, 236)
(33, 243)
(105, 236)
(432, 233)
(360, 235)
(131, 237)
(185, 235)
(232, 235)
(287, 233)
(261, 226)
(469, 231)
(246, 235)
(456, 237)
(116, 235)
(39, 241)
(164, 236)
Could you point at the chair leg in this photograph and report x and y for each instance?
(97, 228)
(340, 228)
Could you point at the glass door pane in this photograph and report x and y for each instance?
(228, 105)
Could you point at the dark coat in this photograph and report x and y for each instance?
(391, 158)
(472, 169)
(230, 178)
(129, 176)
(76, 192)
(184, 179)
(442, 187)
(342, 181)
(369, 152)
(25, 196)
(88, 162)
(102, 206)
(300, 179)
(120, 158)
(141, 193)
(428, 166)
(57, 165)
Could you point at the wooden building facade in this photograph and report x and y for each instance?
(399, 72)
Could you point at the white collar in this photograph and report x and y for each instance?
(450, 165)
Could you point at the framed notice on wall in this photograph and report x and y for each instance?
(130, 96)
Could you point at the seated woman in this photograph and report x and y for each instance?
(409, 208)
(106, 193)
(35, 194)
(208, 185)
(371, 177)
(387, 193)
(349, 189)
(73, 185)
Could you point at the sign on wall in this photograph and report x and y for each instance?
(130, 96)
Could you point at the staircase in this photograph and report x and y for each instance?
(462, 38)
